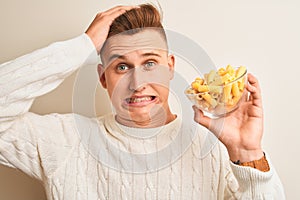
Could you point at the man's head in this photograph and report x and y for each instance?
(137, 69)
(145, 17)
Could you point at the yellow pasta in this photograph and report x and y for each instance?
(199, 97)
(240, 71)
(214, 89)
(226, 78)
(215, 95)
(230, 70)
(241, 84)
(222, 72)
(227, 93)
(202, 88)
(218, 81)
(195, 85)
(190, 91)
(210, 100)
(233, 101)
(204, 104)
(211, 76)
(199, 80)
(219, 90)
(235, 89)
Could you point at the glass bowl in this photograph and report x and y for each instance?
(219, 100)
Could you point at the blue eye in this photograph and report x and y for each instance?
(149, 65)
(122, 67)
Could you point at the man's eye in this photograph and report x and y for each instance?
(149, 65)
(122, 67)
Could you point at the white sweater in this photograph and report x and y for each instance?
(73, 162)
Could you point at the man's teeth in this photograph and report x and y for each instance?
(138, 100)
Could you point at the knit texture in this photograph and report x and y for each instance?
(60, 150)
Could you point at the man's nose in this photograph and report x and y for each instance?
(137, 79)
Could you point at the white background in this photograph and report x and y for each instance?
(262, 35)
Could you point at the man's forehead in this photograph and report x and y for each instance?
(123, 44)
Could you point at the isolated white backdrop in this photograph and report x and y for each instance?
(262, 35)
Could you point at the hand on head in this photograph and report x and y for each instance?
(99, 28)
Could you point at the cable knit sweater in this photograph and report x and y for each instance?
(53, 149)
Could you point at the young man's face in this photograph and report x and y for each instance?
(137, 71)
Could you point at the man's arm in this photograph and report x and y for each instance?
(243, 182)
(25, 78)
(37, 73)
(241, 133)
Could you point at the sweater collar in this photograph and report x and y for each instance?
(118, 129)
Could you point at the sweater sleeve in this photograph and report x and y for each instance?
(249, 183)
(21, 81)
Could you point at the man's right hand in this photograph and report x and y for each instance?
(98, 29)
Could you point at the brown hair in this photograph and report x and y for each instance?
(134, 20)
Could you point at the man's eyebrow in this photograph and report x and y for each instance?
(151, 54)
(118, 56)
(115, 56)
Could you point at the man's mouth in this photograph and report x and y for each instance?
(140, 100)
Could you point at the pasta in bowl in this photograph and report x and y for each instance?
(218, 92)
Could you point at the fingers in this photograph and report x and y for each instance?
(99, 28)
(253, 81)
(114, 12)
(200, 118)
(112, 16)
(254, 89)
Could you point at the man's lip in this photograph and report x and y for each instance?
(140, 100)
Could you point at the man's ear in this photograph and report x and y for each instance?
(101, 75)
(171, 64)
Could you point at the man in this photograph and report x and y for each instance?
(136, 70)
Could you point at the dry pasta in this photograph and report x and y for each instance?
(210, 100)
(218, 88)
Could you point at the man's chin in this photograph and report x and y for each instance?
(147, 116)
(135, 117)
(139, 119)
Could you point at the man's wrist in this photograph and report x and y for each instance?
(245, 155)
(253, 158)
(261, 164)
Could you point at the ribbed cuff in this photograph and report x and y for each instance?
(252, 180)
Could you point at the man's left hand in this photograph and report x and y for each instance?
(240, 131)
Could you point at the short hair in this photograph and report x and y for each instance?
(134, 20)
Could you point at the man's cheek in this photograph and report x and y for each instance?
(117, 90)
(160, 76)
